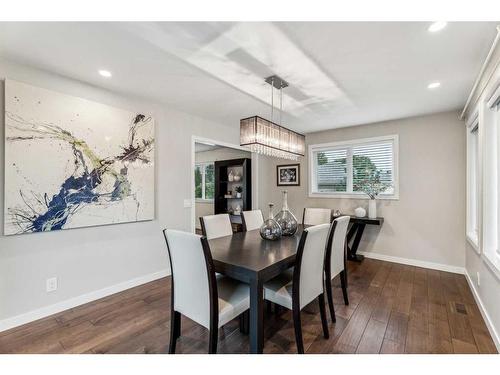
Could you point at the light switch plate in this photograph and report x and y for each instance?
(187, 203)
(51, 284)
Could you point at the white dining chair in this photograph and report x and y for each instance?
(335, 261)
(316, 216)
(196, 293)
(215, 226)
(252, 219)
(294, 289)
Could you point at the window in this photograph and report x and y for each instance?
(204, 181)
(491, 181)
(473, 183)
(338, 170)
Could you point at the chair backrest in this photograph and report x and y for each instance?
(252, 219)
(194, 286)
(316, 216)
(215, 226)
(310, 259)
(336, 252)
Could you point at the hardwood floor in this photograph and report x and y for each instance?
(393, 309)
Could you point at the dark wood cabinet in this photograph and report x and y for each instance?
(227, 203)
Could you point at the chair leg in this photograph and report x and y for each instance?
(298, 331)
(244, 322)
(213, 337)
(328, 287)
(322, 311)
(175, 330)
(269, 307)
(343, 283)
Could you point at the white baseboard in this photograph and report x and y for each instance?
(43, 312)
(414, 262)
(491, 328)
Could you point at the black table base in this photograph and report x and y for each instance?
(356, 230)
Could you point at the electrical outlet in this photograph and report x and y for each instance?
(51, 284)
(478, 279)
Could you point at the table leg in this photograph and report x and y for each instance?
(256, 317)
(359, 229)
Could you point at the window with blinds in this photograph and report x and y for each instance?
(343, 168)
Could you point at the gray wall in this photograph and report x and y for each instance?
(97, 260)
(427, 223)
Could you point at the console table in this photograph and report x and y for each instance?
(356, 230)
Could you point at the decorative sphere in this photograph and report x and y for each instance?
(360, 212)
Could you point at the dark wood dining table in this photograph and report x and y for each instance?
(246, 257)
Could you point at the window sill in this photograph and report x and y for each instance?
(493, 261)
(200, 200)
(473, 241)
(352, 196)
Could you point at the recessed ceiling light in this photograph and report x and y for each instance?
(436, 26)
(105, 73)
(434, 85)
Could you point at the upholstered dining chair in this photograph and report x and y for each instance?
(316, 216)
(335, 260)
(196, 293)
(215, 226)
(297, 287)
(252, 219)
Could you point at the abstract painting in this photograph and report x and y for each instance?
(71, 162)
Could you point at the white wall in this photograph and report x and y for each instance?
(487, 292)
(224, 153)
(103, 259)
(427, 223)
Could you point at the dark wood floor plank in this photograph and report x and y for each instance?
(393, 308)
(397, 327)
(392, 347)
(372, 338)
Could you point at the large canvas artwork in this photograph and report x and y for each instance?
(71, 163)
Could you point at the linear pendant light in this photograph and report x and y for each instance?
(268, 138)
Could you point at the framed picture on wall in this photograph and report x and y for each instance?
(288, 175)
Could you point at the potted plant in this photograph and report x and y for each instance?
(238, 190)
(372, 186)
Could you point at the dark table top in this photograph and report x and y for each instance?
(246, 254)
(366, 220)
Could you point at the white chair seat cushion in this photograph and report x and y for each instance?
(234, 299)
(279, 289)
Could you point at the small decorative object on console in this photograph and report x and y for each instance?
(360, 212)
(372, 186)
(270, 229)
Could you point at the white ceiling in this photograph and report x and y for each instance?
(340, 73)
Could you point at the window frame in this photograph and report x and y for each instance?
(473, 192)
(204, 165)
(351, 143)
(491, 126)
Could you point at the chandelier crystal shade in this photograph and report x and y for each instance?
(268, 138)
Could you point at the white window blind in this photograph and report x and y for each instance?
(332, 170)
(375, 159)
(339, 169)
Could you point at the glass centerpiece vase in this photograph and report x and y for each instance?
(270, 229)
(286, 219)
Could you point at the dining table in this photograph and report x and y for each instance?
(247, 257)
